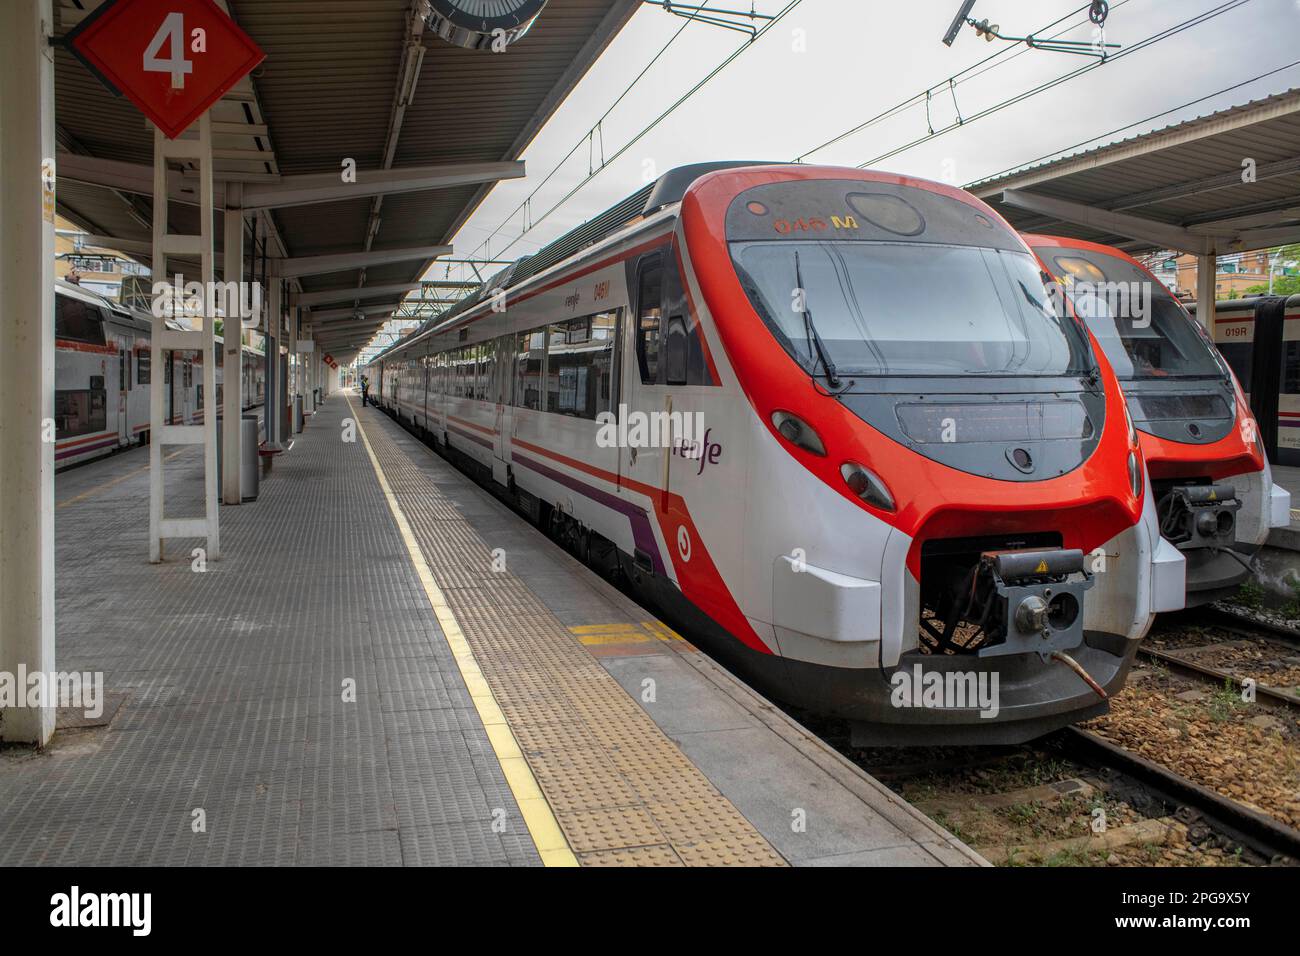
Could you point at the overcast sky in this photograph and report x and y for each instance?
(831, 64)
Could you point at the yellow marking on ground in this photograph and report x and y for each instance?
(538, 817)
(118, 480)
(592, 635)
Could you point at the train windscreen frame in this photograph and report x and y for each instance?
(854, 264)
(1166, 344)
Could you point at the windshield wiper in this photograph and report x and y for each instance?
(832, 379)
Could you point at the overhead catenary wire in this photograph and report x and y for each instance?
(1155, 116)
(587, 138)
(645, 130)
(1057, 81)
(1001, 57)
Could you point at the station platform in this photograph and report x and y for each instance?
(388, 666)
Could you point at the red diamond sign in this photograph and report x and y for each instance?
(172, 58)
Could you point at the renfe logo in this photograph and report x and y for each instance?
(708, 452)
(103, 909)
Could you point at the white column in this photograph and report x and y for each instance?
(275, 395)
(232, 384)
(26, 357)
(1206, 268)
(295, 379)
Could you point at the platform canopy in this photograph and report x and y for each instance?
(1218, 184)
(431, 127)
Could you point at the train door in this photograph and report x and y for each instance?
(643, 461)
(124, 351)
(503, 353)
(168, 386)
(187, 388)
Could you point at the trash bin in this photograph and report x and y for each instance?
(249, 428)
(297, 414)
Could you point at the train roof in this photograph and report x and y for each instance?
(127, 315)
(654, 196)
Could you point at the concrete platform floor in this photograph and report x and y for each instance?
(351, 684)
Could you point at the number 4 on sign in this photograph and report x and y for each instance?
(173, 30)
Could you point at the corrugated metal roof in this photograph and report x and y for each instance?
(1186, 174)
(325, 93)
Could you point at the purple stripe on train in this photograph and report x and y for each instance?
(642, 533)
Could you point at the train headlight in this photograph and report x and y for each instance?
(798, 432)
(1134, 474)
(867, 485)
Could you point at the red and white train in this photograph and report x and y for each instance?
(102, 374)
(888, 469)
(1208, 472)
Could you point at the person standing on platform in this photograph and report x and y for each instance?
(365, 391)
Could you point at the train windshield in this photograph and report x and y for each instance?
(910, 308)
(1140, 326)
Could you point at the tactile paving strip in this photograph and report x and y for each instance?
(623, 793)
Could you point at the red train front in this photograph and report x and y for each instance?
(1213, 487)
(912, 497)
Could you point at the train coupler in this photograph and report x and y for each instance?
(1037, 597)
(1199, 516)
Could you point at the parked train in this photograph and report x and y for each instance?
(1206, 465)
(102, 376)
(1274, 390)
(826, 422)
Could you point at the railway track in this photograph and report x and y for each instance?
(1075, 798)
(1087, 796)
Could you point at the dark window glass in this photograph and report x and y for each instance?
(676, 349)
(529, 352)
(879, 311)
(78, 321)
(143, 364)
(649, 310)
(79, 412)
(580, 365)
(675, 304)
(1140, 326)
(1290, 368)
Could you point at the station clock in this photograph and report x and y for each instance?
(482, 24)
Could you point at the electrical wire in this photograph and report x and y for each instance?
(1051, 84)
(526, 204)
(645, 130)
(1003, 56)
(1151, 118)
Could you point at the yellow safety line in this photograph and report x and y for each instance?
(542, 825)
(109, 484)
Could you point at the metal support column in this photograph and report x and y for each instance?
(271, 325)
(1206, 268)
(27, 435)
(195, 146)
(232, 373)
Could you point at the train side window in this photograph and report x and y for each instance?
(676, 351)
(649, 311)
(580, 365)
(80, 411)
(78, 321)
(529, 352)
(143, 365)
